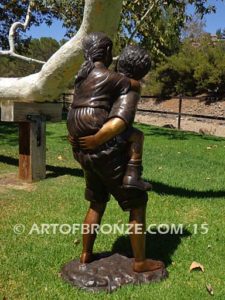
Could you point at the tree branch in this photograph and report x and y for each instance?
(52, 80)
(141, 21)
(12, 32)
(25, 58)
(115, 58)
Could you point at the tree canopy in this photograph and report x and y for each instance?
(159, 31)
(195, 69)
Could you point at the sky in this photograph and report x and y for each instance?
(56, 31)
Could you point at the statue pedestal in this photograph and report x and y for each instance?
(31, 118)
(107, 274)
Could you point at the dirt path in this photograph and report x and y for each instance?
(205, 126)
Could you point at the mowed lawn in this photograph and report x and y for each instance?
(188, 174)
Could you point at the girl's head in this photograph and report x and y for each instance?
(134, 62)
(97, 47)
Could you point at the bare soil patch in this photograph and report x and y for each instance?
(11, 181)
(191, 106)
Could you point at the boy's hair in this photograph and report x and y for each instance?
(134, 62)
(95, 47)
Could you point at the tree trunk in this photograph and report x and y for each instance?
(52, 80)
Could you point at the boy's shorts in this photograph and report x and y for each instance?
(104, 171)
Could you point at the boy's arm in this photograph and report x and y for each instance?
(108, 131)
(121, 116)
(135, 85)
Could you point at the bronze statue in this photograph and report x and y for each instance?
(134, 63)
(110, 164)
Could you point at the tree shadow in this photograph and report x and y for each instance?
(9, 133)
(160, 243)
(9, 160)
(158, 187)
(61, 171)
(165, 189)
(55, 171)
(174, 134)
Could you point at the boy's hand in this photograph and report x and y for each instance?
(88, 142)
(73, 142)
(135, 85)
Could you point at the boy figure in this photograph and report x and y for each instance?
(104, 168)
(134, 63)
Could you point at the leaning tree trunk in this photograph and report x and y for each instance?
(52, 80)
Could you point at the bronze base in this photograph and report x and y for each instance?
(107, 274)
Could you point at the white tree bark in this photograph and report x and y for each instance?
(11, 52)
(52, 80)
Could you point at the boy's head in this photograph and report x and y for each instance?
(134, 62)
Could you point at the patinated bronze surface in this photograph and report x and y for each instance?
(108, 274)
(103, 110)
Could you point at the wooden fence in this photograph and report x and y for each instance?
(178, 113)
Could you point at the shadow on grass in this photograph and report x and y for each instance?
(9, 133)
(158, 187)
(60, 171)
(160, 243)
(176, 134)
(162, 188)
(55, 170)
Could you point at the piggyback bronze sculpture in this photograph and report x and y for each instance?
(104, 142)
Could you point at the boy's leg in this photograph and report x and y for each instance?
(132, 178)
(136, 140)
(137, 238)
(93, 217)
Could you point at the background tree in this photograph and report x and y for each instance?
(139, 19)
(42, 49)
(162, 23)
(194, 70)
(194, 28)
(220, 33)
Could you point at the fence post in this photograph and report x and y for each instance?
(64, 102)
(179, 113)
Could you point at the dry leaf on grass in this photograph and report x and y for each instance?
(195, 265)
(76, 242)
(209, 289)
(60, 157)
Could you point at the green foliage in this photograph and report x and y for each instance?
(41, 49)
(159, 31)
(197, 68)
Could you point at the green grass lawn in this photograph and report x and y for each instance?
(188, 174)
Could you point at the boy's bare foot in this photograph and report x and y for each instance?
(86, 258)
(147, 265)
